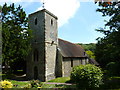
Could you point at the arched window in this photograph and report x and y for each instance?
(35, 21)
(36, 55)
(51, 22)
(35, 73)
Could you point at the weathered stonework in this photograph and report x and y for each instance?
(67, 65)
(44, 26)
(58, 65)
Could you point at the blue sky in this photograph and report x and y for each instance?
(81, 28)
(77, 20)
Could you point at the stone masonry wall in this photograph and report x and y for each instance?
(58, 65)
(37, 43)
(67, 65)
(50, 46)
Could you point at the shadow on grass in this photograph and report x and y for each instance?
(13, 77)
(111, 83)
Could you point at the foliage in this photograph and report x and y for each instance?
(111, 83)
(15, 35)
(35, 83)
(88, 47)
(108, 47)
(0, 7)
(113, 68)
(87, 76)
(0, 36)
(6, 84)
(90, 54)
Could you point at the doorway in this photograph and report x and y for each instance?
(35, 73)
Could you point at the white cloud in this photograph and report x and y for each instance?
(63, 9)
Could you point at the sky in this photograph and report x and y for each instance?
(77, 19)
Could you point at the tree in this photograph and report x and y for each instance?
(90, 54)
(15, 35)
(108, 47)
(0, 37)
(88, 47)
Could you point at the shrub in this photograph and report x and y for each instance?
(6, 84)
(87, 76)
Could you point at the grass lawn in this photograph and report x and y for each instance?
(61, 80)
(19, 84)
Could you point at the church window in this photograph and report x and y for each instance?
(35, 21)
(51, 22)
(35, 41)
(36, 56)
(71, 62)
(84, 53)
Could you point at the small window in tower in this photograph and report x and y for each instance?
(35, 21)
(36, 55)
(51, 22)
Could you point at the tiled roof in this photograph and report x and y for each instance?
(69, 49)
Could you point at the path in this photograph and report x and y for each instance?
(59, 83)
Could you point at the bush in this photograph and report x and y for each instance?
(87, 76)
(6, 84)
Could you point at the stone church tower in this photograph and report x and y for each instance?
(41, 61)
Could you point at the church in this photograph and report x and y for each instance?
(50, 56)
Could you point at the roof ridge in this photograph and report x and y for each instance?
(71, 43)
(67, 41)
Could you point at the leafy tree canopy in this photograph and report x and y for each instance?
(90, 54)
(15, 34)
(108, 47)
(90, 49)
(87, 47)
(0, 36)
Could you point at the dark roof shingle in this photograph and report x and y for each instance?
(69, 49)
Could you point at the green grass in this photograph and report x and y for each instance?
(61, 80)
(20, 84)
(48, 86)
